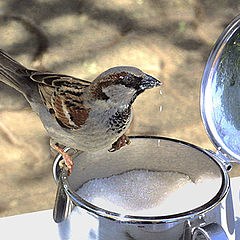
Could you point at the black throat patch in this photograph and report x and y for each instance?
(119, 120)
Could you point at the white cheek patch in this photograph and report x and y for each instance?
(119, 93)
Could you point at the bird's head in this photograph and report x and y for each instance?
(122, 84)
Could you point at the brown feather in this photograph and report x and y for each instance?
(72, 115)
(46, 93)
(79, 115)
(62, 95)
(57, 80)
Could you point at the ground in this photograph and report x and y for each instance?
(170, 40)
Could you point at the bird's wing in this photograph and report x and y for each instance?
(16, 75)
(62, 95)
(56, 80)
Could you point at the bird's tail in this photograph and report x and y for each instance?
(15, 75)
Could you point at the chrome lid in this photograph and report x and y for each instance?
(220, 92)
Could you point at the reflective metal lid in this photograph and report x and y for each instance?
(220, 92)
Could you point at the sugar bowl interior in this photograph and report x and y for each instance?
(146, 178)
(160, 188)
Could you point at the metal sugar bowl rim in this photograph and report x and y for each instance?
(212, 203)
(220, 93)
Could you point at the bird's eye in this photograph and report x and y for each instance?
(129, 77)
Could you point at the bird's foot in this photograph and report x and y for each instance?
(121, 142)
(67, 161)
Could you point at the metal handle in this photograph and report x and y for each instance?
(63, 205)
(212, 231)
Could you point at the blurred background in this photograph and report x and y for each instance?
(170, 40)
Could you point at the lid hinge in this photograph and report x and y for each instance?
(222, 158)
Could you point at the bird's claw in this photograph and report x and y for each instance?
(66, 162)
(121, 142)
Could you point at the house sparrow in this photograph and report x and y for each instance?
(82, 115)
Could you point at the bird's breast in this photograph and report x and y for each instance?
(119, 120)
(102, 128)
(105, 127)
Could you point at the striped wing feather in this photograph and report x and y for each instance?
(62, 95)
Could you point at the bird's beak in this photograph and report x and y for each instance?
(149, 82)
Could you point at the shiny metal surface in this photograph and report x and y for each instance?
(146, 153)
(212, 231)
(152, 153)
(220, 92)
(63, 205)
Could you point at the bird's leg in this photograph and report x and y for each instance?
(121, 142)
(67, 161)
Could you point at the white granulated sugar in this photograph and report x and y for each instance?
(147, 193)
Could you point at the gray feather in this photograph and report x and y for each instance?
(17, 76)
